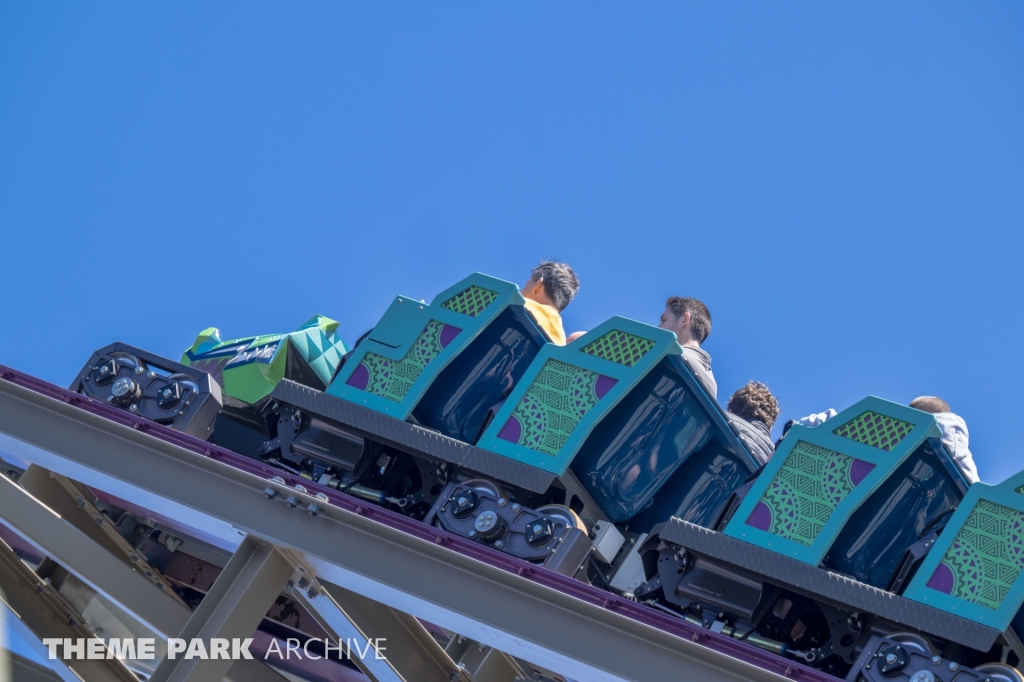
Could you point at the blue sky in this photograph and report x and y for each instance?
(843, 185)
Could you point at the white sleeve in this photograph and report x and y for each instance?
(956, 439)
(815, 419)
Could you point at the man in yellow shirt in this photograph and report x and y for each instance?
(551, 288)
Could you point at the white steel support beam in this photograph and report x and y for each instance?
(484, 663)
(84, 553)
(24, 670)
(41, 527)
(40, 610)
(74, 504)
(411, 654)
(511, 613)
(232, 609)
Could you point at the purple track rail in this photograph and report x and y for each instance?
(492, 557)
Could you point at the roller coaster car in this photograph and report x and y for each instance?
(813, 553)
(445, 365)
(611, 429)
(858, 549)
(249, 368)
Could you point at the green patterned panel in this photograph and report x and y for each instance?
(556, 401)
(806, 490)
(471, 301)
(1019, 490)
(625, 349)
(392, 379)
(987, 554)
(876, 430)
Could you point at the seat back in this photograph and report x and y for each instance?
(569, 389)
(908, 507)
(619, 406)
(447, 363)
(249, 368)
(664, 450)
(821, 476)
(974, 569)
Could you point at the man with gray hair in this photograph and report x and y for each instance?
(551, 288)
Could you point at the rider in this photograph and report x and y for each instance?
(752, 412)
(954, 433)
(691, 322)
(551, 288)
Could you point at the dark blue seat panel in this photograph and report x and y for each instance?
(664, 450)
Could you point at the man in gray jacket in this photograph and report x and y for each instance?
(691, 322)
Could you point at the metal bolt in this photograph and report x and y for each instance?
(133, 408)
(472, 533)
(110, 398)
(80, 502)
(502, 501)
(134, 559)
(105, 370)
(270, 492)
(303, 583)
(462, 501)
(289, 585)
(953, 666)
(166, 392)
(315, 509)
(292, 501)
(312, 593)
(537, 528)
(516, 506)
(499, 544)
(98, 520)
(890, 659)
(150, 374)
(936, 660)
(139, 370)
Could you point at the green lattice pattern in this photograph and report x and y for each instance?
(806, 491)
(876, 430)
(392, 379)
(553, 406)
(987, 554)
(472, 301)
(625, 349)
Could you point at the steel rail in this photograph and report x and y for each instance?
(541, 616)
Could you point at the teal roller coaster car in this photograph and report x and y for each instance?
(606, 460)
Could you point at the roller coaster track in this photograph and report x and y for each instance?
(356, 567)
